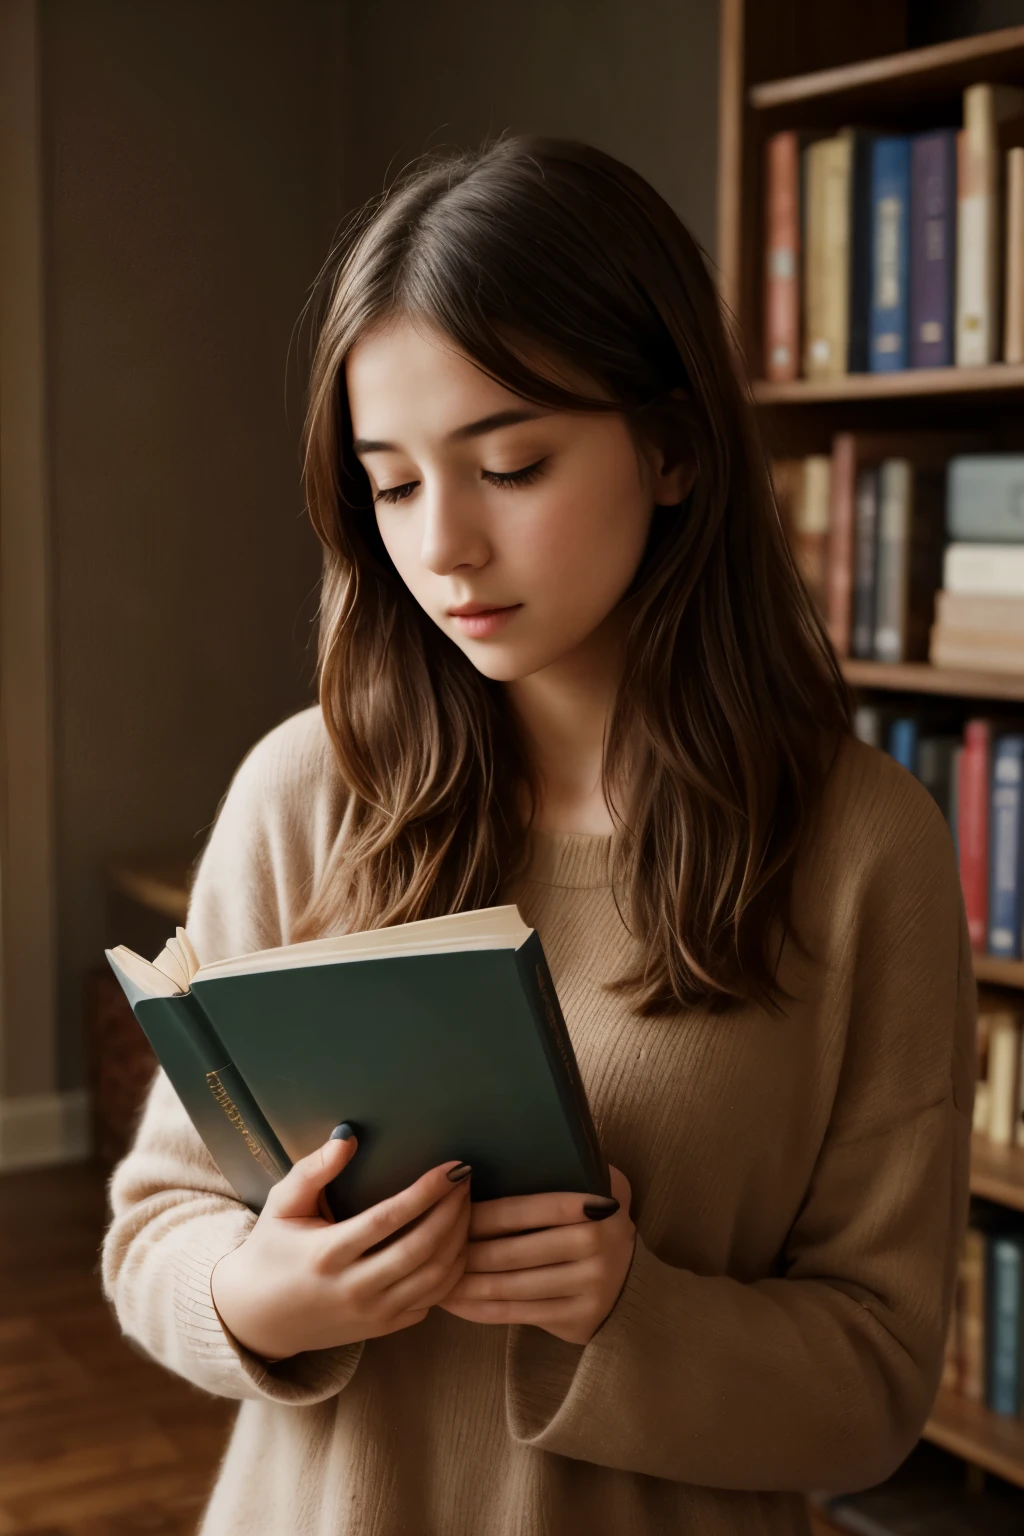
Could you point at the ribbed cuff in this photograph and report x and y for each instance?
(225, 1366)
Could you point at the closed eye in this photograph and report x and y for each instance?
(512, 477)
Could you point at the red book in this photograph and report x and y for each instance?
(782, 257)
(839, 577)
(972, 828)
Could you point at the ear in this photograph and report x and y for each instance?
(671, 486)
(673, 482)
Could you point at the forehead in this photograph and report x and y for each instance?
(407, 371)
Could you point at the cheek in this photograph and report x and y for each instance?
(586, 542)
(401, 540)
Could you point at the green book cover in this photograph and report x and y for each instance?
(437, 1039)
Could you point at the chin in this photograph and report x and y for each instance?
(509, 664)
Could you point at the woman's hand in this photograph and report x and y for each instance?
(299, 1281)
(565, 1278)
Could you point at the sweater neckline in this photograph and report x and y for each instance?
(579, 860)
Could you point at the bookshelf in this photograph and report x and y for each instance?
(787, 64)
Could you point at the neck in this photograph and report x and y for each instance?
(562, 712)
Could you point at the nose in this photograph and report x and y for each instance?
(453, 535)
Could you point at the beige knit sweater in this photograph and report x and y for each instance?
(800, 1187)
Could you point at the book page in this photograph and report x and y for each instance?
(485, 928)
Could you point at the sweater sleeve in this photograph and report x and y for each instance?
(821, 1376)
(173, 1212)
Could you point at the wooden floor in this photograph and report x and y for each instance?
(95, 1439)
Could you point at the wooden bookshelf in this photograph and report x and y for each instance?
(997, 1173)
(994, 1441)
(916, 76)
(995, 378)
(921, 677)
(795, 64)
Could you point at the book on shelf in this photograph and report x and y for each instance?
(826, 178)
(434, 1039)
(783, 252)
(890, 256)
(974, 770)
(1013, 318)
(979, 610)
(884, 547)
(992, 570)
(1006, 847)
(993, 119)
(985, 497)
(932, 297)
(984, 1348)
(973, 826)
(885, 251)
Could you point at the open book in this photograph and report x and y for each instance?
(434, 1039)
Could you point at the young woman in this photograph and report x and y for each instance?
(566, 661)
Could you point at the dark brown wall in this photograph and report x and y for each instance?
(192, 160)
(638, 78)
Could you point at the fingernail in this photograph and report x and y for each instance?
(599, 1212)
(463, 1171)
(342, 1132)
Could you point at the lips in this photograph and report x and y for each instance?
(468, 610)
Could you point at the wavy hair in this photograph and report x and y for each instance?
(717, 744)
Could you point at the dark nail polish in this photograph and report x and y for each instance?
(463, 1171)
(599, 1212)
(342, 1132)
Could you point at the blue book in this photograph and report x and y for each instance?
(902, 745)
(932, 248)
(890, 254)
(1004, 856)
(1005, 1374)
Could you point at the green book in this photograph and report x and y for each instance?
(436, 1039)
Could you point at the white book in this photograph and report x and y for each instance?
(979, 233)
(1003, 1074)
(991, 568)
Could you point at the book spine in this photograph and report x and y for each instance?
(894, 491)
(973, 652)
(828, 257)
(865, 537)
(932, 248)
(890, 226)
(532, 965)
(903, 735)
(839, 592)
(1004, 848)
(782, 257)
(972, 1322)
(994, 569)
(1013, 328)
(990, 616)
(1003, 1054)
(811, 526)
(985, 501)
(214, 1094)
(977, 229)
(972, 821)
(858, 356)
(1006, 1260)
(952, 813)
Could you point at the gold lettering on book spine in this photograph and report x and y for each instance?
(233, 1113)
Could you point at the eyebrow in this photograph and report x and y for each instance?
(470, 429)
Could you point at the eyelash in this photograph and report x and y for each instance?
(511, 480)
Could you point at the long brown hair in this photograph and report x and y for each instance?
(731, 693)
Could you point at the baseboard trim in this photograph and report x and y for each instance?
(41, 1129)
